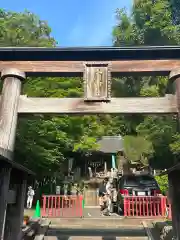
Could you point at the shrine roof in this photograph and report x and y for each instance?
(111, 144)
(16, 166)
(89, 53)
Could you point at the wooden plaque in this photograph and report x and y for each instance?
(97, 82)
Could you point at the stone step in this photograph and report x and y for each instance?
(123, 232)
(78, 227)
(92, 238)
(96, 221)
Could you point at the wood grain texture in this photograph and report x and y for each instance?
(78, 106)
(177, 84)
(11, 196)
(17, 219)
(8, 115)
(175, 77)
(4, 190)
(177, 89)
(67, 68)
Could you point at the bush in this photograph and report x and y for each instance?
(163, 183)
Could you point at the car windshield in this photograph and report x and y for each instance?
(140, 180)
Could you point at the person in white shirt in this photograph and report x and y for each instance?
(109, 189)
(30, 196)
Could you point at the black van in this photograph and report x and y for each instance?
(136, 185)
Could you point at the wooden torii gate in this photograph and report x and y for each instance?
(97, 66)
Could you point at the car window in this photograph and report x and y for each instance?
(137, 180)
(131, 181)
(147, 180)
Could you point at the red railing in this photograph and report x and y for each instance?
(134, 206)
(62, 206)
(149, 206)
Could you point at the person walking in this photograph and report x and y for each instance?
(30, 196)
(109, 190)
(102, 192)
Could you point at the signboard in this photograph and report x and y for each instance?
(97, 82)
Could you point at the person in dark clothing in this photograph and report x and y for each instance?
(102, 192)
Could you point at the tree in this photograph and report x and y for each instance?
(24, 29)
(151, 23)
(175, 5)
(138, 150)
(32, 149)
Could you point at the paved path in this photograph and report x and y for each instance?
(95, 213)
(74, 213)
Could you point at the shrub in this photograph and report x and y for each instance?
(163, 183)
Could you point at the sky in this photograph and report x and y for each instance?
(74, 22)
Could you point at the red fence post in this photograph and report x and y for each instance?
(149, 206)
(81, 205)
(163, 206)
(72, 206)
(125, 206)
(62, 206)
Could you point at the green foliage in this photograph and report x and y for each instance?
(175, 6)
(175, 145)
(24, 29)
(163, 183)
(138, 149)
(151, 23)
(86, 144)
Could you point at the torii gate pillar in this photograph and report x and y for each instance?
(174, 177)
(12, 79)
(9, 110)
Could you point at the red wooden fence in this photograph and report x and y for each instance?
(134, 206)
(62, 206)
(149, 206)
